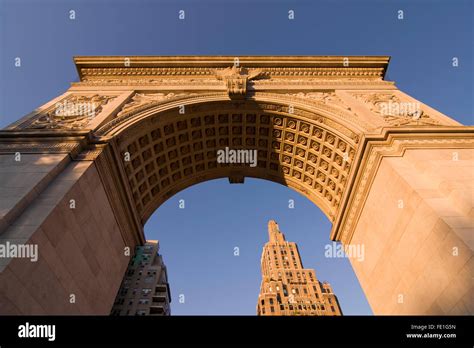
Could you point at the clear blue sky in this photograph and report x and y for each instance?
(198, 241)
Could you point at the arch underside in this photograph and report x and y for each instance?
(170, 151)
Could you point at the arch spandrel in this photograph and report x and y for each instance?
(169, 151)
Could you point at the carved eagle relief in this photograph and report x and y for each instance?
(236, 79)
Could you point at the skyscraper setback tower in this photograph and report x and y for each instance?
(287, 288)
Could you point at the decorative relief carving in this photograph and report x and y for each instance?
(131, 113)
(148, 99)
(394, 111)
(212, 82)
(147, 81)
(140, 71)
(325, 72)
(234, 72)
(72, 113)
(236, 79)
(327, 98)
(142, 103)
(341, 112)
(327, 80)
(333, 72)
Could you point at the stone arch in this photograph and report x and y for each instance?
(404, 190)
(305, 150)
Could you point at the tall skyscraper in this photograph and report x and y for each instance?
(287, 288)
(144, 289)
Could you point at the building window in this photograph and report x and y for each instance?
(146, 291)
(272, 309)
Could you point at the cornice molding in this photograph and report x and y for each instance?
(207, 83)
(87, 73)
(12, 142)
(205, 66)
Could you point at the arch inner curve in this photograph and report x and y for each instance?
(169, 151)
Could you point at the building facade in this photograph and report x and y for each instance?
(287, 287)
(145, 289)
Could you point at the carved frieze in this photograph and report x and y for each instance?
(394, 111)
(150, 81)
(72, 113)
(148, 99)
(213, 82)
(331, 72)
(327, 98)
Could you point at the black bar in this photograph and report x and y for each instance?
(135, 331)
